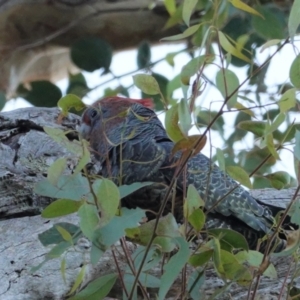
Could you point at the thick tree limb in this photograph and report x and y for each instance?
(36, 35)
(26, 152)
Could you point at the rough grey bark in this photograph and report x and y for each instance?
(26, 152)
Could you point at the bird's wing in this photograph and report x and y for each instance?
(135, 161)
(222, 194)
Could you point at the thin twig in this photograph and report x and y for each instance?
(186, 158)
(119, 272)
(285, 279)
(132, 267)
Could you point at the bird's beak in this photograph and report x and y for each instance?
(84, 131)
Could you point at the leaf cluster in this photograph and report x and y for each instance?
(223, 35)
(103, 222)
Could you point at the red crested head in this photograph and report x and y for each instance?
(114, 100)
(112, 109)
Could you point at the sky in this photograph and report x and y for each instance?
(125, 62)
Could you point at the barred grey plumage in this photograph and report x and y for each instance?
(132, 146)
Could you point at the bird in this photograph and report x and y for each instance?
(131, 144)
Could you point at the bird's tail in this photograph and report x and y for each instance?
(257, 240)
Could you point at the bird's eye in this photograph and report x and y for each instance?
(93, 113)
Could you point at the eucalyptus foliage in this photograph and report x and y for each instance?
(220, 34)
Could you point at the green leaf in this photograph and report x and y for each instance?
(147, 280)
(170, 58)
(173, 85)
(69, 101)
(279, 180)
(190, 143)
(197, 219)
(188, 32)
(164, 244)
(221, 159)
(128, 286)
(68, 187)
(229, 239)
(147, 84)
(144, 55)
(77, 86)
(91, 53)
(157, 99)
(64, 233)
(78, 280)
(173, 267)
(108, 197)
(98, 289)
(89, 219)
(192, 202)
(230, 48)
(52, 235)
(243, 6)
(56, 170)
(269, 142)
(170, 6)
(109, 92)
(238, 133)
(2, 100)
(295, 72)
(295, 213)
(58, 249)
(294, 20)
(176, 17)
(193, 66)
(227, 82)
(96, 253)
(195, 282)
(166, 230)
(271, 26)
(277, 122)
(171, 124)
(288, 100)
(269, 44)
(41, 93)
(184, 115)
(243, 109)
(255, 157)
(61, 207)
(256, 127)
(233, 270)
(240, 175)
(187, 10)
(297, 143)
(114, 230)
(85, 157)
(63, 270)
(271, 114)
(215, 243)
(201, 258)
(152, 259)
(254, 259)
(126, 190)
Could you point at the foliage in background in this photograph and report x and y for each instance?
(219, 33)
(261, 112)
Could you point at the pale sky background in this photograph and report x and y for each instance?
(124, 62)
